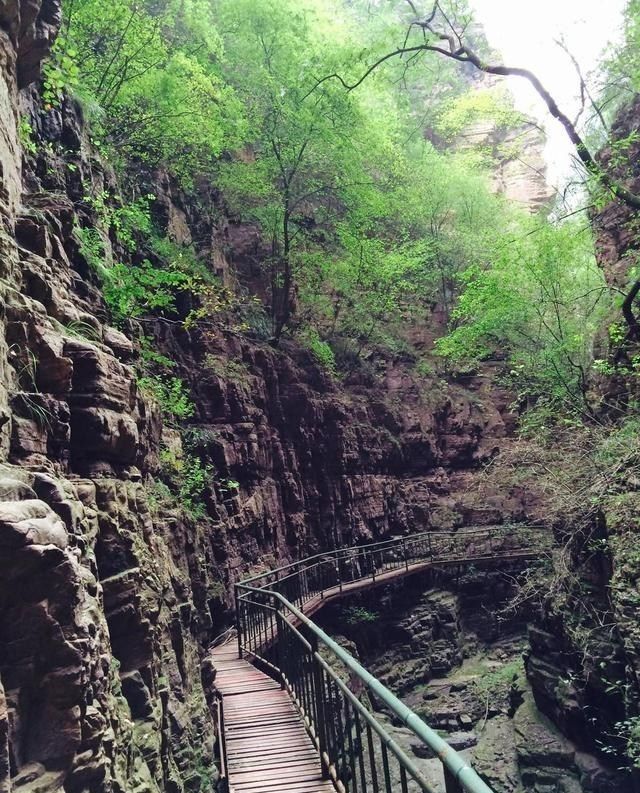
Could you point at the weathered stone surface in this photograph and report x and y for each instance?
(30, 522)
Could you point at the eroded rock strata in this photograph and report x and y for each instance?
(109, 594)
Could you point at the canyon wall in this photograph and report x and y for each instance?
(584, 657)
(110, 593)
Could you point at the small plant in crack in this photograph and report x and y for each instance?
(32, 407)
(82, 330)
(25, 364)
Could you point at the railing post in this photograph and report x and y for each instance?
(238, 619)
(220, 747)
(451, 783)
(279, 637)
(321, 716)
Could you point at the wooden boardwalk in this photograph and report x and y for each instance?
(268, 748)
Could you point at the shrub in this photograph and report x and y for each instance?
(358, 615)
(131, 292)
(171, 394)
(92, 248)
(188, 479)
(320, 350)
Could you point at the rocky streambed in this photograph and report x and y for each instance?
(443, 645)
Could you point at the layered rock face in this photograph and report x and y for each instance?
(103, 612)
(437, 640)
(108, 600)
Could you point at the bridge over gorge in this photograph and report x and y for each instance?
(289, 719)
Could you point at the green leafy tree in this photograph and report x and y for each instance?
(292, 178)
(148, 73)
(538, 306)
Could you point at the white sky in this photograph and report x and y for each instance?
(524, 33)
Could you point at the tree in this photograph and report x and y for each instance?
(147, 74)
(444, 33)
(304, 155)
(539, 306)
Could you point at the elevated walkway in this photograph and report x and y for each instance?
(268, 747)
(301, 727)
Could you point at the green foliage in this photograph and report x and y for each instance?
(81, 329)
(538, 306)
(194, 481)
(358, 615)
(25, 133)
(147, 72)
(151, 358)
(320, 350)
(479, 105)
(131, 291)
(621, 69)
(172, 395)
(92, 248)
(627, 735)
(60, 74)
(492, 683)
(367, 224)
(134, 290)
(189, 479)
(425, 369)
(365, 227)
(199, 439)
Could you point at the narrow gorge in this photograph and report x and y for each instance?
(240, 326)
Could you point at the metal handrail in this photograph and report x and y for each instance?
(220, 745)
(268, 622)
(391, 542)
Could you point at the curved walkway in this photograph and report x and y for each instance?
(302, 729)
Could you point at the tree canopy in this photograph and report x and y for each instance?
(345, 147)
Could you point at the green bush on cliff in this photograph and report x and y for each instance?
(188, 478)
(148, 71)
(171, 394)
(358, 615)
(132, 291)
(320, 350)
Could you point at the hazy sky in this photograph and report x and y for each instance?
(524, 33)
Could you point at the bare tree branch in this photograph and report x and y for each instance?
(457, 50)
(584, 88)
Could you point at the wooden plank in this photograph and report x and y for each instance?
(268, 747)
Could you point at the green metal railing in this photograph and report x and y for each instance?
(220, 744)
(356, 751)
